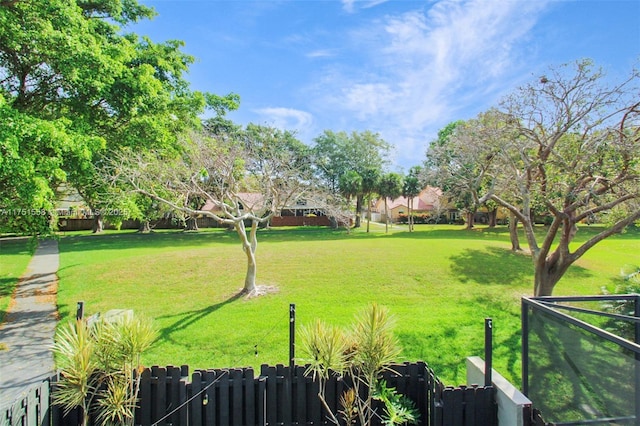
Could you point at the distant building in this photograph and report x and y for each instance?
(301, 213)
(429, 202)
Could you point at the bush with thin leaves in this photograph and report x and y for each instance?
(363, 352)
(98, 363)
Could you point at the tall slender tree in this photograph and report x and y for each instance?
(389, 187)
(411, 189)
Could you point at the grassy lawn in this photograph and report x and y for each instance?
(15, 255)
(440, 283)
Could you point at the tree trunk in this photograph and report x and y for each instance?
(249, 248)
(145, 227)
(470, 219)
(513, 233)
(98, 225)
(191, 224)
(368, 214)
(493, 218)
(358, 211)
(386, 216)
(548, 273)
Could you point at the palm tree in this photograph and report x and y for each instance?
(390, 187)
(351, 186)
(370, 184)
(410, 190)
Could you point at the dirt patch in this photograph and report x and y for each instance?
(47, 294)
(262, 290)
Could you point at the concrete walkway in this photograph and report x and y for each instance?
(27, 334)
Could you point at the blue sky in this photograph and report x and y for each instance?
(402, 68)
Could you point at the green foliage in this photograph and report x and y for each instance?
(97, 362)
(363, 352)
(350, 164)
(399, 409)
(324, 349)
(374, 344)
(74, 88)
(630, 276)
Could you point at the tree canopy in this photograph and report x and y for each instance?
(567, 146)
(350, 164)
(243, 177)
(73, 88)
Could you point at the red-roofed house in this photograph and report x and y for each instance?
(429, 202)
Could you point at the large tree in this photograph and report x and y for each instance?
(246, 176)
(453, 164)
(569, 143)
(85, 88)
(338, 157)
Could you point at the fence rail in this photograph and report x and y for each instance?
(278, 396)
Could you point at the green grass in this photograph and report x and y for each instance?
(15, 255)
(439, 282)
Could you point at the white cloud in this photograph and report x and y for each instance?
(322, 53)
(422, 70)
(349, 5)
(286, 118)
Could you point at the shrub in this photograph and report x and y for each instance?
(363, 351)
(98, 362)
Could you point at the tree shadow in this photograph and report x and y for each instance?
(179, 238)
(492, 265)
(185, 319)
(496, 265)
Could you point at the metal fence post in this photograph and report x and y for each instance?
(636, 313)
(79, 311)
(292, 336)
(524, 317)
(488, 351)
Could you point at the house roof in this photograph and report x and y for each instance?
(426, 200)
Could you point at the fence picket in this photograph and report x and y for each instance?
(210, 396)
(248, 384)
(195, 406)
(262, 401)
(223, 396)
(470, 406)
(486, 409)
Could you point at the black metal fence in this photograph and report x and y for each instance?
(278, 396)
(580, 358)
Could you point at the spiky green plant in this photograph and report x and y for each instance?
(363, 352)
(375, 348)
(75, 353)
(97, 362)
(376, 345)
(116, 405)
(323, 348)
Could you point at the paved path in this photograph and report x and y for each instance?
(27, 334)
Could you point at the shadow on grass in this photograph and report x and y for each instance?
(492, 265)
(496, 265)
(184, 320)
(114, 240)
(82, 242)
